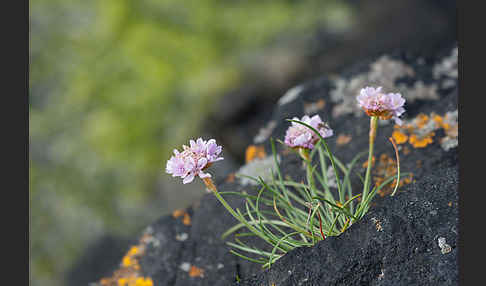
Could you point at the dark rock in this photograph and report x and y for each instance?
(100, 259)
(404, 251)
(409, 239)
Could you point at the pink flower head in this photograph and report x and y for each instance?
(193, 160)
(298, 135)
(385, 106)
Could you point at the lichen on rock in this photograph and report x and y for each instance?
(383, 72)
(448, 69)
(257, 168)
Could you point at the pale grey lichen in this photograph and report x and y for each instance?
(314, 107)
(257, 168)
(265, 132)
(382, 274)
(427, 128)
(444, 247)
(185, 266)
(386, 70)
(449, 143)
(181, 236)
(290, 95)
(447, 68)
(383, 72)
(331, 177)
(153, 241)
(377, 224)
(149, 230)
(451, 139)
(420, 91)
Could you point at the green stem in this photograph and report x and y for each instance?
(373, 131)
(210, 185)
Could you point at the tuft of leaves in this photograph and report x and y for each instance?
(288, 214)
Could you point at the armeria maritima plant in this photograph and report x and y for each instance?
(289, 214)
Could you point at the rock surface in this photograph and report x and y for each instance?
(409, 239)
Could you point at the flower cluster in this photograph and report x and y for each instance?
(385, 106)
(298, 135)
(193, 160)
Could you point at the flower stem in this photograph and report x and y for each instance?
(373, 131)
(398, 165)
(304, 154)
(210, 185)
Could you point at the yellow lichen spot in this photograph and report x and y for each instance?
(127, 261)
(421, 142)
(343, 139)
(450, 204)
(196, 272)
(187, 219)
(253, 152)
(133, 251)
(122, 282)
(149, 282)
(141, 281)
(399, 137)
(177, 213)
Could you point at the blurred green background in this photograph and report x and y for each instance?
(115, 85)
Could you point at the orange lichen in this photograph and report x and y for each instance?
(422, 119)
(386, 167)
(399, 137)
(418, 142)
(133, 251)
(178, 213)
(406, 150)
(410, 128)
(127, 261)
(252, 152)
(451, 131)
(196, 272)
(141, 281)
(313, 107)
(365, 164)
(418, 164)
(129, 272)
(187, 219)
(420, 132)
(438, 120)
(134, 281)
(230, 178)
(440, 123)
(343, 139)
(122, 282)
